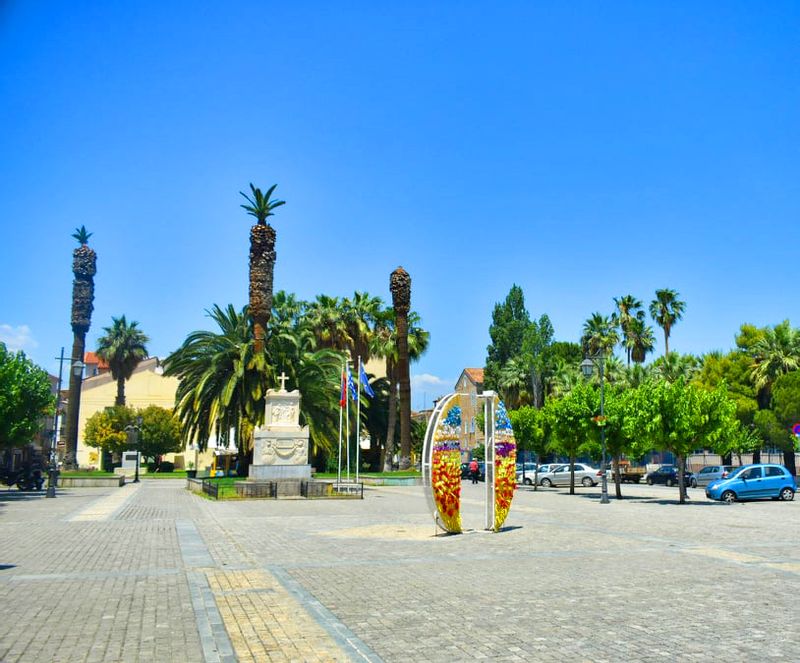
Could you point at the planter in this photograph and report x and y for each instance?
(191, 474)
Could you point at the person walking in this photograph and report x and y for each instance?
(473, 470)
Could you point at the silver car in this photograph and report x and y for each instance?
(559, 475)
(530, 472)
(710, 473)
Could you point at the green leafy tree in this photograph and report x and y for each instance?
(786, 405)
(25, 398)
(571, 426)
(666, 309)
(105, 429)
(530, 432)
(680, 417)
(510, 320)
(160, 432)
(122, 346)
(536, 343)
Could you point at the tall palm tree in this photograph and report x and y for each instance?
(776, 352)
(639, 340)
(122, 347)
(400, 286)
(629, 311)
(666, 309)
(513, 381)
(84, 267)
(384, 345)
(262, 259)
(600, 334)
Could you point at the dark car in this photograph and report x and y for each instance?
(481, 471)
(667, 474)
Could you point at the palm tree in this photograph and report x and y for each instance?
(360, 316)
(384, 345)
(84, 267)
(326, 320)
(639, 340)
(262, 259)
(630, 311)
(776, 352)
(400, 286)
(600, 335)
(637, 375)
(513, 381)
(666, 309)
(674, 367)
(123, 347)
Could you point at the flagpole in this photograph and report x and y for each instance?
(347, 417)
(339, 473)
(358, 417)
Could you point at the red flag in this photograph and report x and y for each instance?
(343, 396)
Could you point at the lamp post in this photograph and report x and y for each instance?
(52, 472)
(587, 368)
(133, 431)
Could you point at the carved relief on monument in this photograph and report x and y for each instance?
(284, 415)
(284, 452)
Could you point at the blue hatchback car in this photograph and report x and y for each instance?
(753, 482)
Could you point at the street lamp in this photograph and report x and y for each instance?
(133, 431)
(587, 368)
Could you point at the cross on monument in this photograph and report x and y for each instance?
(282, 379)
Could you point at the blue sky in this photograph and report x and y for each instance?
(580, 150)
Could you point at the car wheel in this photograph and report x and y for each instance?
(649, 481)
(694, 483)
(528, 482)
(787, 494)
(547, 483)
(586, 481)
(669, 483)
(729, 497)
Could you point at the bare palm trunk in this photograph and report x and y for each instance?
(120, 391)
(262, 268)
(391, 424)
(74, 403)
(666, 341)
(400, 286)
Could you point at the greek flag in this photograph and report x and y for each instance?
(365, 381)
(351, 385)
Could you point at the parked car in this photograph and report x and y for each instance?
(667, 474)
(559, 475)
(709, 474)
(753, 482)
(530, 473)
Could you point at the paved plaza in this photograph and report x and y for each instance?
(150, 572)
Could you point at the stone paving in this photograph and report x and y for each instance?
(150, 572)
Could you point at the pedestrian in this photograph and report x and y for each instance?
(473, 470)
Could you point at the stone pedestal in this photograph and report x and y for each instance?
(280, 450)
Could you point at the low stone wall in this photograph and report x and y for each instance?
(91, 482)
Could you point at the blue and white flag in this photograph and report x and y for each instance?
(365, 382)
(351, 385)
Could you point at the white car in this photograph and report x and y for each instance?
(559, 475)
(530, 473)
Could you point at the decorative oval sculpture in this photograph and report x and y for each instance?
(441, 462)
(505, 464)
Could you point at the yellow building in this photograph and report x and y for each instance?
(147, 386)
(470, 383)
